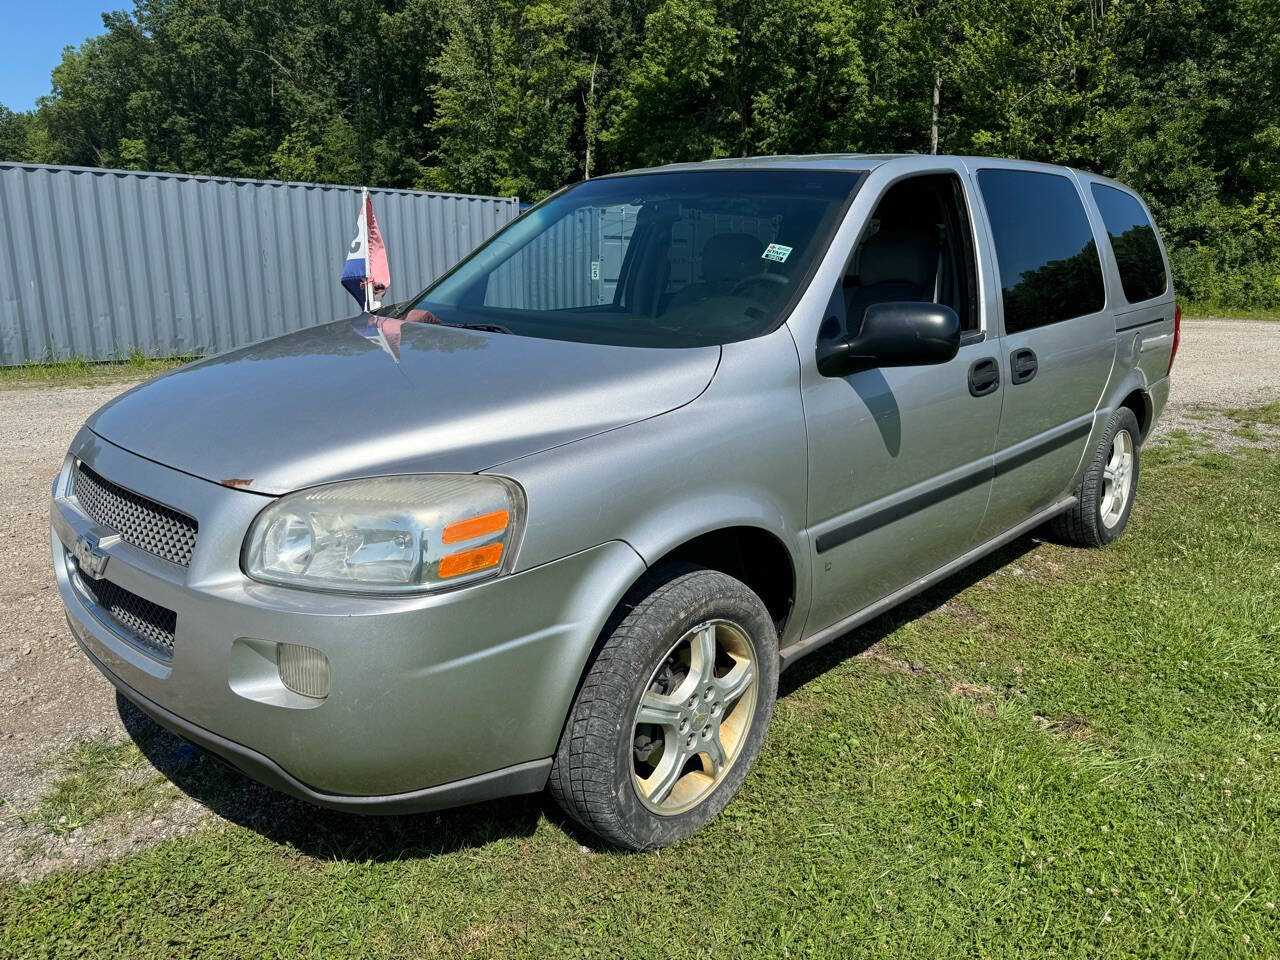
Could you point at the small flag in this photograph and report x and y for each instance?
(365, 274)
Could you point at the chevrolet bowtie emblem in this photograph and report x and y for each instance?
(91, 554)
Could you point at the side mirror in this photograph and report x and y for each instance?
(904, 333)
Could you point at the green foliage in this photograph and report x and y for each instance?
(506, 108)
(13, 133)
(741, 77)
(1179, 98)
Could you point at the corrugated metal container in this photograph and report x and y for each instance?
(96, 263)
(576, 262)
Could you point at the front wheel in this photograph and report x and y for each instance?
(672, 712)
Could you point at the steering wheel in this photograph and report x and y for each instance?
(745, 282)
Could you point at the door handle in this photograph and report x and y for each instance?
(1023, 365)
(984, 377)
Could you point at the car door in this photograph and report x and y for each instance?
(900, 461)
(1057, 345)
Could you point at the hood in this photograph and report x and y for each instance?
(362, 397)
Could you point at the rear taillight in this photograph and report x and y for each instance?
(1177, 335)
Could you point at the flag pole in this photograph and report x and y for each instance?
(368, 258)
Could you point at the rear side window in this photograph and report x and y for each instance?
(1133, 241)
(1049, 267)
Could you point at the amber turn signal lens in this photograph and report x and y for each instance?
(469, 561)
(476, 527)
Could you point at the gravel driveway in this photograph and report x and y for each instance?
(50, 698)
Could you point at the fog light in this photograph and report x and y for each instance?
(304, 670)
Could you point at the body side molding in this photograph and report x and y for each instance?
(824, 636)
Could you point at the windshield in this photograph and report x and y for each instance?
(659, 260)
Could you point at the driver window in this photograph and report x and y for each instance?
(917, 246)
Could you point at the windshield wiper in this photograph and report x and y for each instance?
(487, 327)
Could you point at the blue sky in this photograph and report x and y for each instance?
(34, 35)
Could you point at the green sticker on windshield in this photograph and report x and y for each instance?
(776, 251)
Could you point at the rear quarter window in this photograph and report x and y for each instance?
(1133, 241)
(1045, 251)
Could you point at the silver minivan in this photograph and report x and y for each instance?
(560, 521)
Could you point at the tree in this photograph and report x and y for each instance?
(13, 134)
(1179, 98)
(506, 101)
(742, 77)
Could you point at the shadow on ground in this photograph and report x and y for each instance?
(315, 831)
(328, 834)
(863, 638)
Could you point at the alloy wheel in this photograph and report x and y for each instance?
(1117, 479)
(693, 717)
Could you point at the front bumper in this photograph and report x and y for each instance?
(527, 777)
(434, 700)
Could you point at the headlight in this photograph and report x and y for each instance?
(388, 534)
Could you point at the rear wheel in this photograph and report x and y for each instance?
(1106, 494)
(672, 712)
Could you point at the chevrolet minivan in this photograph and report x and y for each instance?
(560, 521)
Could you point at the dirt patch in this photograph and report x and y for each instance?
(1072, 726)
(50, 697)
(982, 692)
(961, 612)
(100, 799)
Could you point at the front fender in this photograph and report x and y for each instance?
(735, 456)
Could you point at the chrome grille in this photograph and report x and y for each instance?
(148, 624)
(145, 524)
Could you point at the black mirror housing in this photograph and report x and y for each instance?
(906, 333)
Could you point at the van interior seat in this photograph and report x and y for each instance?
(726, 259)
(895, 263)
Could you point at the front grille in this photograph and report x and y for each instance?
(145, 524)
(150, 625)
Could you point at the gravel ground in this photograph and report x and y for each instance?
(51, 699)
(49, 696)
(1223, 363)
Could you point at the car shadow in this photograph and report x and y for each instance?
(316, 831)
(860, 639)
(331, 835)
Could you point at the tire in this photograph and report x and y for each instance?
(621, 777)
(1097, 518)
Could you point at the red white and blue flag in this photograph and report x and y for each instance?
(366, 274)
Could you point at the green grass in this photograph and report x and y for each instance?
(98, 779)
(78, 370)
(1061, 753)
(1269, 415)
(1193, 309)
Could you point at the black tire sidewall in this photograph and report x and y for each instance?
(703, 595)
(1122, 419)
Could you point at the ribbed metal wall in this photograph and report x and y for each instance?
(96, 263)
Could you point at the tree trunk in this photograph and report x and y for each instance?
(933, 127)
(590, 119)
